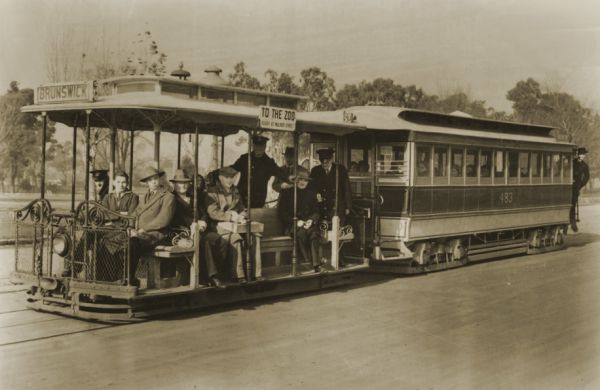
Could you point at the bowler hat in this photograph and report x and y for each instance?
(150, 172)
(303, 173)
(582, 151)
(228, 171)
(99, 174)
(180, 177)
(259, 139)
(289, 152)
(325, 153)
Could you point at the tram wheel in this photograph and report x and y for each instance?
(422, 253)
(456, 250)
(535, 240)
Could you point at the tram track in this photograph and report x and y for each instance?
(104, 326)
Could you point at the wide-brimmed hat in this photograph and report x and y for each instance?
(259, 139)
(325, 153)
(302, 173)
(289, 151)
(180, 177)
(228, 171)
(582, 151)
(150, 172)
(99, 174)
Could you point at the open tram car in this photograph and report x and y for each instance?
(431, 191)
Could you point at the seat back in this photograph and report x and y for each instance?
(269, 218)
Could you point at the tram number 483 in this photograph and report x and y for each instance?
(506, 197)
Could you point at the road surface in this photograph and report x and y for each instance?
(526, 322)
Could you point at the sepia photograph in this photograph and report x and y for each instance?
(267, 194)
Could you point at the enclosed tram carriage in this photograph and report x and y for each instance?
(97, 284)
(443, 190)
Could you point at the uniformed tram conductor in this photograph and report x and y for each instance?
(323, 182)
(581, 175)
(263, 167)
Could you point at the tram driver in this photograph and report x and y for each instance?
(153, 218)
(100, 179)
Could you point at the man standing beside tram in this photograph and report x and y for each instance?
(324, 183)
(581, 175)
(263, 168)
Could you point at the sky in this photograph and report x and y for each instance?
(478, 46)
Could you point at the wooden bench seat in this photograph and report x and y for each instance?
(168, 266)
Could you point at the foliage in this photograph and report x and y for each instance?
(318, 88)
(145, 58)
(20, 137)
(240, 78)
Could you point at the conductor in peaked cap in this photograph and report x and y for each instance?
(323, 182)
(581, 176)
(263, 168)
(100, 179)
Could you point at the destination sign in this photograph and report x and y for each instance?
(275, 118)
(65, 92)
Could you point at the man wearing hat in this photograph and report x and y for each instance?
(153, 218)
(581, 175)
(224, 204)
(263, 167)
(307, 212)
(213, 246)
(288, 170)
(100, 179)
(323, 182)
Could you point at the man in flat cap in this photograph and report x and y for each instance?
(100, 179)
(323, 182)
(153, 217)
(288, 170)
(224, 204)
(581, 175)
(307, 212)
(263, 167)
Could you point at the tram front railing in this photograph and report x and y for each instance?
(32, 238)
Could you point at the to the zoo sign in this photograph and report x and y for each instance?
(64, 92)
(275, 118)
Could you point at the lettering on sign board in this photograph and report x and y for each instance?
(64, 92)
(276, 118)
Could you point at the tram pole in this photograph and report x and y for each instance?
(249, 273)
(131, 158)
(73, 167)
(113, 149)
(222, 148)
(196, 268)
(335, 220)
(157, 145)
(178, 150)
(295, 219)
(43, 168)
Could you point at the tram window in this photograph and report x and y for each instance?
(360, 161)
(524, 164)
(247, 99)
(423, 161)
(547, 165)
(485, 163)
(513, 164)
(283, 103)
(471, 163)
(390, 166)
(556, 165)
(215, 94)
(440, 162)
(499, 164)
(457, 162)
(566, 168)
(536, 163)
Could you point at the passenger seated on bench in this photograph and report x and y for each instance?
(224, 204)
(153, 218)
(307, 211)
(213, 246)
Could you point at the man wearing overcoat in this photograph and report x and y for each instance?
(581, 175)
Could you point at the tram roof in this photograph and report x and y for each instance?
(395, 118)
(141, 110)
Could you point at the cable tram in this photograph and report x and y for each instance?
(441, 191)
(67, 265)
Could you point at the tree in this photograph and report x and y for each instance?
(145, 58)
(239, 77)
(281, 83)
(20, 135)
(319, 88)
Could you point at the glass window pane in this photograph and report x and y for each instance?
(556, 165)
(547, 164)
(486, 163)
(524, 164)
(360, 161)
(536, 162)
(391, 164)
(457, 162)
(499, 164)
(471, 162)
(513, 164)
(423, 161)
(440, 162)
(566, 166)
